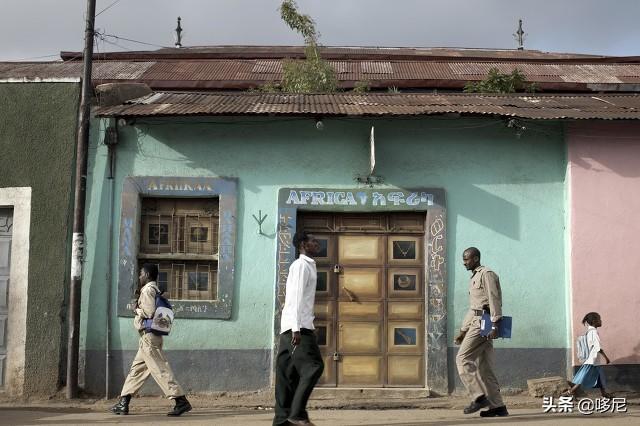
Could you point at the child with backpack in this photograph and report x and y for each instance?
(590, 375)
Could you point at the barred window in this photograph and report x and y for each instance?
(181, 237)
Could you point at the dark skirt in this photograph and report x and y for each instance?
(589, 376)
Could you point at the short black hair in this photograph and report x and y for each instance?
(152, 270)
(299, 238)
(591, 318)
(473, 251)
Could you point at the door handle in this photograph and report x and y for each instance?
(336, 356)
(352, 296)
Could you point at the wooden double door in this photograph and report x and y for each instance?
(370, 299)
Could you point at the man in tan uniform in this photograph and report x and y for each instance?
(475, 358)
(150, 359)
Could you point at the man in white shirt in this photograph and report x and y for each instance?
(299, 364)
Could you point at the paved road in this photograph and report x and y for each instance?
(52, 416)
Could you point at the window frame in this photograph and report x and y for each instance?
(134, 189)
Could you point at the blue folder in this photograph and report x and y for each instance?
(504, 326)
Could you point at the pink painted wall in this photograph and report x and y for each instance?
(604, 176)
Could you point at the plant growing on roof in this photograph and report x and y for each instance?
(497, 82)
(311, 75)
(361, 87)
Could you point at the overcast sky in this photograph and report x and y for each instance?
(31, 29)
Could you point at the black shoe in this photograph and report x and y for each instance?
(122, 407)
(182, 406)
(304, 422)
(480, 402)
(495, 412)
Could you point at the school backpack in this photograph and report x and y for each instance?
(582, 347)
(162, 317)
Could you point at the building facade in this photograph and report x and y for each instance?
(211, 186)
(37, 144)
(393, 288)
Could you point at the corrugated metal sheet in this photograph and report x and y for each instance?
(375, 67)
(523, 106)
(241, 74)
(342, 52)
(102, 70)
(267, 67)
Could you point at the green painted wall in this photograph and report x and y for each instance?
(504, 195)
(37, 149)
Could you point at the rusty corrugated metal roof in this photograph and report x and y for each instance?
(610, 107)
(348, 52)
(102, 70)
(249, 73)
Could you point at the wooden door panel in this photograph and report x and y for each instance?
(325, 286)
(370, 310)
(328, 377)
(360, 311)
(405, 370)
(327, 253)
(360, 222)
(404, 250)
(3, 327)
(404, 310)
(405, 337)
(6, 225)
(360, 371)
(316, 223)
(360, 250)
(359, 337)
(407, 222)
(5, 255)
(4, 287)
(358, 284)
(323, 310)
(324, 335)
(404, 283)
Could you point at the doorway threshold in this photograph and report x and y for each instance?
(325, 393)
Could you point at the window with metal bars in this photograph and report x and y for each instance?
(181, 237)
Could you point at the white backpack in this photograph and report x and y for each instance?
(582, 347)
(162, 317)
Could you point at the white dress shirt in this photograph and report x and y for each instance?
(300, 295)
(593, 342)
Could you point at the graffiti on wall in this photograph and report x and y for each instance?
(437, 301)
(285, 254)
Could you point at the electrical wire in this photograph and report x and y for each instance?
(132, 40)
(100, 36)
(35, 57)
(108, 7)
(58, 54)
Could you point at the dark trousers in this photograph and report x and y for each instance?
(297, 372)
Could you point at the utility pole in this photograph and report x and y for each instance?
(84, 115)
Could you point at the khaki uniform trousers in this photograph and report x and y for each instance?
(475, 362)
(150, 360)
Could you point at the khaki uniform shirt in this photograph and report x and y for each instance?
(484, 290)
(146, 306)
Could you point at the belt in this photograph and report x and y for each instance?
(304, 331)
(478, 312)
